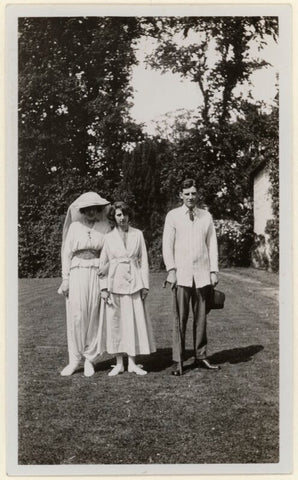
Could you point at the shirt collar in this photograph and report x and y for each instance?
(186, 209)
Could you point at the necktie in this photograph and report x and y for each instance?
(191, 215)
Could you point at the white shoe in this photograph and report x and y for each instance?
(88, 368)
(136, 369)
(116, 369)
(69, 369)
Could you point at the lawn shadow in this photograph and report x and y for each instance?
(236, 355)
(161, 359)
(104, 365)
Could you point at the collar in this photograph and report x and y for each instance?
(185, 209)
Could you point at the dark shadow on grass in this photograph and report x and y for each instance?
(160, 360)
(104, 365)
(155, 362)
(236, 355)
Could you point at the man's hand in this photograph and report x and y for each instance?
(144, 293)
(172, 278)
(105, 296)
(65, 288)
(213, 279)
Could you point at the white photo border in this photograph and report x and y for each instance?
(283, 11)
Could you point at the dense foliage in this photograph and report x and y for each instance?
(232, 133)
(76, 133)
(272, 227)
(269, 155)
(74, 122)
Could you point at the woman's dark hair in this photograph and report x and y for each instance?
(126, 210)
(98, 208)
(187, 183)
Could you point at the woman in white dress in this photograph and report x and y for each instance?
(84, 229)
(125, 327)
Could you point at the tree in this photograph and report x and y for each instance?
(74, 119)
(220, 149)
(73, 93)
(218, 59)
(76, 134)
(141, 186)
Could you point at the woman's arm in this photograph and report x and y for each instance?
(66, 256)
(103, 267)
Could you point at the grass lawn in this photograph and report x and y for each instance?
(226, 416)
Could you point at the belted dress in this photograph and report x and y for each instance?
(80, 263)
(124, 325)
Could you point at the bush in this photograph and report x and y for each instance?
(259, 254)
(41, 222)
(155, 255)
(234, 242)
(39, 248)
(272, 229)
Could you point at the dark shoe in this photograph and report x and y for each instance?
(204, 363)
(177, 371)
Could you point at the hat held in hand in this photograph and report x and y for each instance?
(215, 299)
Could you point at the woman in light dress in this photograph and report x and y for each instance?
(84, 229)
(125, 327)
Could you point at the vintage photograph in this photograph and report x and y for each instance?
(148, 229)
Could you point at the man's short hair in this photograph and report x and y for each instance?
(188, 183)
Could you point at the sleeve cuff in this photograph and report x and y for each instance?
(171, 267)
(103, 284)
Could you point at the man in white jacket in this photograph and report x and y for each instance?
(191, 257)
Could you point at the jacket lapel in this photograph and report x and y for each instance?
(131, 241)
(118, 244)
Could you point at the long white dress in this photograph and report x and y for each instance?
(124, 325)
(82, 304)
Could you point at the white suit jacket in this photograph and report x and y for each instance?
(190, 247)
(127, 266)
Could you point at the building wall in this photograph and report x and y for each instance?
(262, 213)
(262, 201)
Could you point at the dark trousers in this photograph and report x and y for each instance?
(182, 297)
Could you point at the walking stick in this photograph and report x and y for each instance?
(177, 324)
(178, 328)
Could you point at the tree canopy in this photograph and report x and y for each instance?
(76, 132)
(227, 135)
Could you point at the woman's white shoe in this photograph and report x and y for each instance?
(88, 368)
(69, 369)
(136, 369)
(116, 370)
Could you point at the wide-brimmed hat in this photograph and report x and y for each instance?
(89, 199)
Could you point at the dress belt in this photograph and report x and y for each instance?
(116, 261)
(87, 253)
